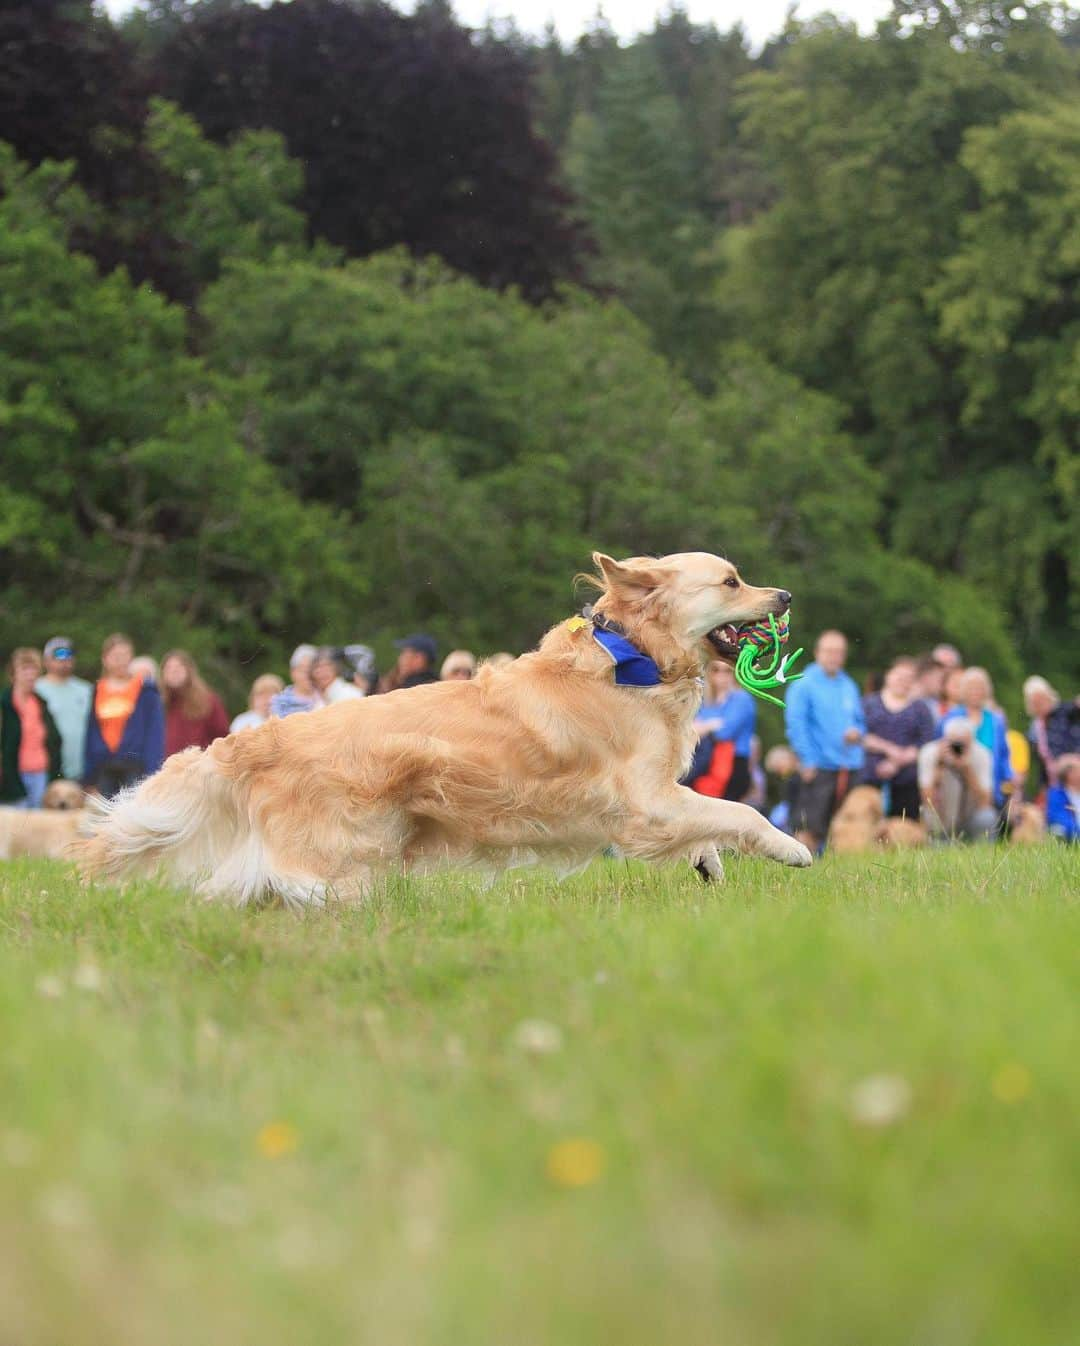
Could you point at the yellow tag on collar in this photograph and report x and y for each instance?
(576, 623)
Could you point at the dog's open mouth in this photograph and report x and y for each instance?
(725, 640)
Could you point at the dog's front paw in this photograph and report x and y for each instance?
(797, 854)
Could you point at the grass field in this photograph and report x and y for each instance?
(833, 1106)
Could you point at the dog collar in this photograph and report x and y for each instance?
(633, 668)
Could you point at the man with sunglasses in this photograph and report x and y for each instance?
(68, 699)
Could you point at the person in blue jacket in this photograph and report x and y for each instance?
(1063, 801)
(727, 717)
(987, 725)
(125, 732)
(825, 726)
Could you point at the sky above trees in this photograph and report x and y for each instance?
(761, 18)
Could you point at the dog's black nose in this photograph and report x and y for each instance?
(784, 599)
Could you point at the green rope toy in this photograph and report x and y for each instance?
(760, 666)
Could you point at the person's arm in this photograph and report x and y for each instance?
(732, 718)
(154, 738)
(53, 744)
(219, 721)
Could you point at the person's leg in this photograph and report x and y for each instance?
(34, 783)
(739, 781)
(982, 824)
(814, 809)
(904, 801)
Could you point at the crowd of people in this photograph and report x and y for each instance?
(112, 732)
(931, 738)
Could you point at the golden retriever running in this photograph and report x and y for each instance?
(545, 760)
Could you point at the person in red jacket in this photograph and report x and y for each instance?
(194, 715)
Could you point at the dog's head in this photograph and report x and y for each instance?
(699, 598)
(63, 794)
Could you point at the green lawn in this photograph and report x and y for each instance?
(829, 1106)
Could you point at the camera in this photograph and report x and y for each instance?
(957, 749)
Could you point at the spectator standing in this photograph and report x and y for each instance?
(415, 664)
(956, 779)
(896, 728)
(825, 725)
(951, 694)
(725, 725)
(327, 679)
(263, 691)
(68, 699)
(987, 725)
(930, 687)
(30, 748)
(194, 715)
(947, 657)
(125, 733)
(301, 694)
(459, 665)
(1055, 727)
(361, 662)
(1063, 800)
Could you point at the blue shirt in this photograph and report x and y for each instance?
(818, 711)
(69, 705)
(731, 720)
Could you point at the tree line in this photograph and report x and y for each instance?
(322, 321)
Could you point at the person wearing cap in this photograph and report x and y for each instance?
(415, 664)
(68, 698)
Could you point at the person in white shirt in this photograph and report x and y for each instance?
(326, 675)
(956, 777)
(263, 691)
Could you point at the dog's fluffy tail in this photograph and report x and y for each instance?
(187, 823)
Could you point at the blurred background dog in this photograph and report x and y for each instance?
(44, 833)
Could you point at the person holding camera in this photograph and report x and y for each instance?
(956, 778)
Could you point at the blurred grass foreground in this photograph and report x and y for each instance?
(832, 1107)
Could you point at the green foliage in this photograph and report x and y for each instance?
(130, 497)
(226, 201)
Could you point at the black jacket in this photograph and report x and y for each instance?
(11, 786)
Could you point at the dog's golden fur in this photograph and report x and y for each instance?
(45, 833)
(543, 760)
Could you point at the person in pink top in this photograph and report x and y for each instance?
(29, 739)
(194, 715)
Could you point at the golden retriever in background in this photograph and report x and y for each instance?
(856, 823)
(859, 824)
(46, 833)
(1028, 824)
(903, 834)
(544, 760)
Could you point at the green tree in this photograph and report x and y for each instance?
(1009, 304)
(129, 497)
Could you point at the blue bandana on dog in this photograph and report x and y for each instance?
(632, 668)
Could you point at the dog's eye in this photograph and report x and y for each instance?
(732, 582)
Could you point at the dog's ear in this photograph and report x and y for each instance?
(628, 579)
